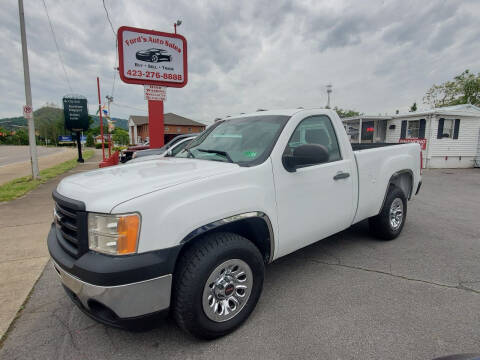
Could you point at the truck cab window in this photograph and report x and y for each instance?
(315, 130)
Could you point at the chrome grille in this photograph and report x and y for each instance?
(66, 220)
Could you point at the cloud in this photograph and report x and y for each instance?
(380, 55)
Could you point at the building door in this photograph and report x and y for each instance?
(381, 133)
(367, 131)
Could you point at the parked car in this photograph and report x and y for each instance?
(192, 233)
(153, 154)
(153, 55)
(127, 154)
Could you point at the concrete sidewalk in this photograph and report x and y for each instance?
(25, 223)
(19, 169)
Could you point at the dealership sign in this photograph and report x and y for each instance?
(152, 57)
(75, 111)
(155, 92)
(422, 142)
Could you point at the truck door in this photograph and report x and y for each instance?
(317, 200)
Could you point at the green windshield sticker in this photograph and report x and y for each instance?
(250, 154)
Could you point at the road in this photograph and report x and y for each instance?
(15, 160)
(347, 297)
(10, 154)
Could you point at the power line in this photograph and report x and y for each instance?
(108, 18)
(127, 106)
(56, 45)
(116, 45)
(114, 71)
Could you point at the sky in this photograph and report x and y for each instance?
(379, 55)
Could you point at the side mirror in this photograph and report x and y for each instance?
(305, 155)
(169, 153)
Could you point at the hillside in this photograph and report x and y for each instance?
(48, 116)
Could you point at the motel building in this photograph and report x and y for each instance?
(449, 136)
(174, 125)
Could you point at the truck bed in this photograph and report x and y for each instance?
(375, 165)
(365, 146)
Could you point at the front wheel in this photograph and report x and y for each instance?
(388, 224)
(217, 284)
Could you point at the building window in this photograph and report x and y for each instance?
(190, 129)
(179, 129)
(448, 128)
(166, 128)
(413, 129)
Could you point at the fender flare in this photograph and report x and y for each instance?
(230, 220)
(391, 181)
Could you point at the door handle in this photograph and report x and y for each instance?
(341, 175)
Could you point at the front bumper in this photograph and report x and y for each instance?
(125, 301)
(116, 289)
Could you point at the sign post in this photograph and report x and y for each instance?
(75, 111)
(148, 57)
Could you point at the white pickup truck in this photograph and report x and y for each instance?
(192, 234)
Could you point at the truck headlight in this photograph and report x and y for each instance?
(113, 234)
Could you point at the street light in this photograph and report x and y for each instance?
(329, 91)
(178, 23)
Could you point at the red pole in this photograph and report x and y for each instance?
(155, 123)
(175, 27)
(101, 120)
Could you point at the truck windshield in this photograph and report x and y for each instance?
(245, 141)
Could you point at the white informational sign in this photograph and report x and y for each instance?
(155, 92)
(152, 57)
(27, 112)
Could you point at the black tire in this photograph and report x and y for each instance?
(191, 274)
(380, 225)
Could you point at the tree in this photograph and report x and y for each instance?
(90, 140)
(343, 113)
(464, 89)
(120, 136)
(413, 108)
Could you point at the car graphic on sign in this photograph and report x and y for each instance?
(153, 55)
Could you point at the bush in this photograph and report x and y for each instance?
(90, 141)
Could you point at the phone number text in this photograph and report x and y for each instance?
(154, 75)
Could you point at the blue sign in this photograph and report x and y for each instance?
(70, 138)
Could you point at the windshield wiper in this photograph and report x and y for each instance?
(219, 152)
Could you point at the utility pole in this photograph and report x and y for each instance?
(109, 100)
(28, 93)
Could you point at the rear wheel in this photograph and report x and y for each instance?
(217, 284)
(388, 224)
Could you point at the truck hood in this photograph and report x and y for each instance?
(101, 190)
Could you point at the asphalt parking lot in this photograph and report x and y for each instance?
(347, 297)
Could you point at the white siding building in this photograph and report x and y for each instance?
(450, 136)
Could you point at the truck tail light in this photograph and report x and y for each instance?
(421, 161)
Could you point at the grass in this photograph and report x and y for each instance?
(19, 187)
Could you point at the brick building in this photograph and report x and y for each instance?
(174, 125)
